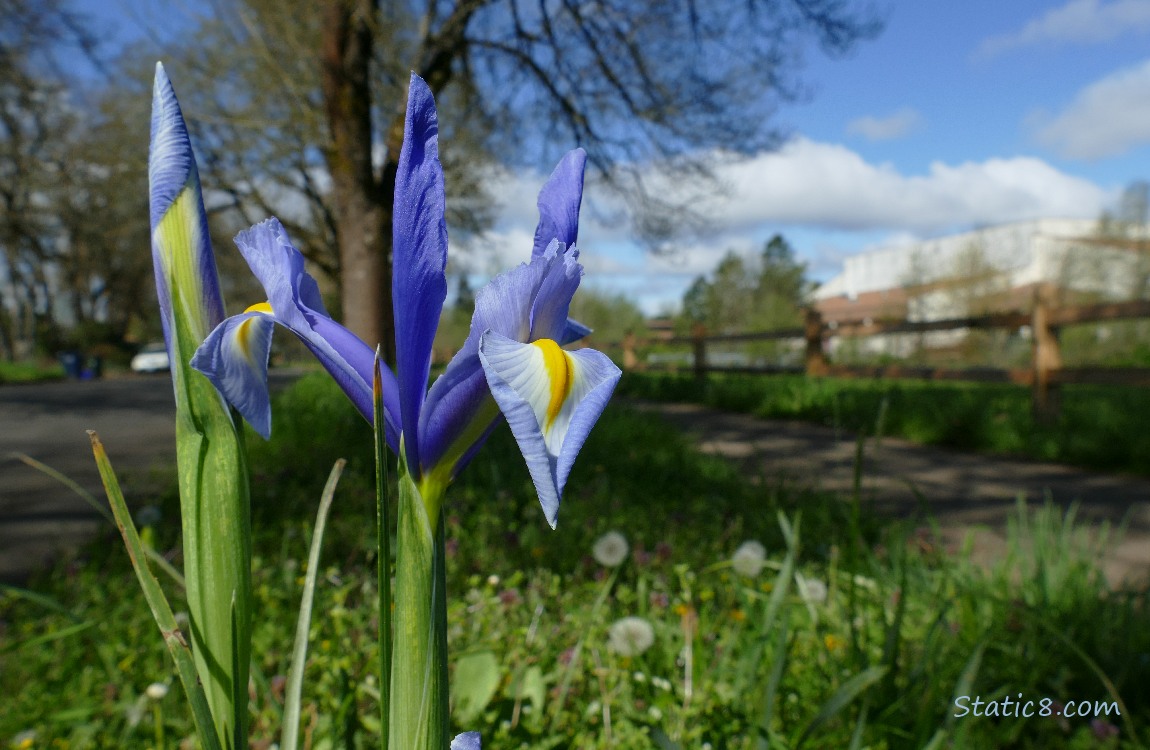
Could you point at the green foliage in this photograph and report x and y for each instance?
(29, 372)
(609, 316)
(1100, 427)
(903, 627)
(759, 294)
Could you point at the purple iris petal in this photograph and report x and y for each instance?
(171, 170)
(234, 357)
(296, 304)
(558, 203)
(420, 257)
(514, 386)
(573, 332)
(504, 306)
(549, 309)
(466, 741)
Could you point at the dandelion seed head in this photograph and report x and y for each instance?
(610, 550)
(631, 636)
(749, 559)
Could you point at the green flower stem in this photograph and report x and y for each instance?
(211, 461)
(419, 701)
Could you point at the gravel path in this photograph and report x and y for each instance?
(967, 493)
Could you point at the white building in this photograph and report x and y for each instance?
(990, 269)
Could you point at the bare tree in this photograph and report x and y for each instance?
(310, 114)
(35, 123)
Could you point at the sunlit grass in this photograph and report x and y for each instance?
(1100, 427)
(891, 626)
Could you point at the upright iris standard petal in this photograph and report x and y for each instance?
(558, 203)
(549, 308)
(181, 248)
(419, 257)
(295, 303)
(551, 399)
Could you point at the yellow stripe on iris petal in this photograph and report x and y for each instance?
(560, 374)
(244, 332)
(178, 237)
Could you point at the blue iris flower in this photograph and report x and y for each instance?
(512, 365)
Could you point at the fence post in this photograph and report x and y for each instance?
(1047, 357)
(816, 358)
(699, 345)
(630, 360)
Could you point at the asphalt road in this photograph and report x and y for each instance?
(967, 494)
(134, 416)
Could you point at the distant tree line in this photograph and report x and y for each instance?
(758, 293)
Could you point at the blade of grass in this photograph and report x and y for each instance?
(35, 597)
(68, 482)
(850, 690)
(569, 670)
(1098, 672)
(48, 637)
(294, 690)
(91, 500)
(383, 550)
(161, 610)
(776, 677)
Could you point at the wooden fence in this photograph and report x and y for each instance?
(1044, 376)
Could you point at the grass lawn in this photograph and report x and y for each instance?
(29, 372)
(1100, 427)
(847, 633)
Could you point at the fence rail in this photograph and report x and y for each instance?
(1044, 376)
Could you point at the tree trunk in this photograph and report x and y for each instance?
(363, 217)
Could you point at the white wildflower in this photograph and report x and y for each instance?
(156, 690)
(610, 550)
(749, 559)
(631, 636)
(812, 590)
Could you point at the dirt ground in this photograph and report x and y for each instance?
(967, 494)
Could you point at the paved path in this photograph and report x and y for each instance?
(135, 418)
(965, 492)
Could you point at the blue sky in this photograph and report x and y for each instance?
(958, 115)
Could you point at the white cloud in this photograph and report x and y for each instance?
(1079, 22)
(1107, 118)
(823, 191)
(828, 186)
(895, 125)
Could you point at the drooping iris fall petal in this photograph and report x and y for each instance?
(551, 398)
(466, 741)
(512, 305)
(235, 358)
